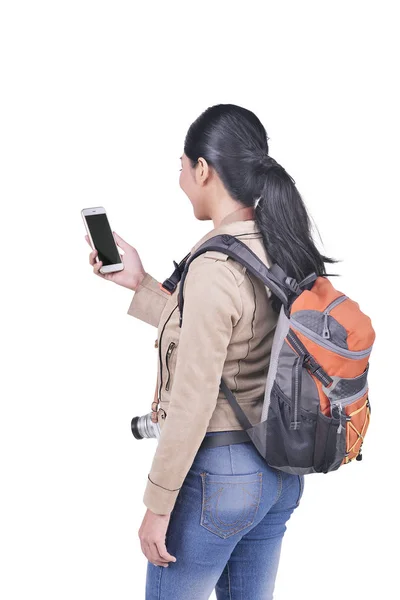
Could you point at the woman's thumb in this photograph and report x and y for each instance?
(121, 243)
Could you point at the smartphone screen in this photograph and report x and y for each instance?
(103, 239)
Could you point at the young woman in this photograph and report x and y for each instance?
(216, 516)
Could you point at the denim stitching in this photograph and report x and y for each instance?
(161, 569)
(279, 492)
(204, 494)
(251, 506)
(229, 582)
(240, 520)
(233, 482)
(220, 533)
(259, 496)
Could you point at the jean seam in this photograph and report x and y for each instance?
(229, 581)
(259, 497)
(279, 492)
(204, 495)
(159, 583)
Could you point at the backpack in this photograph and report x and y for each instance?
(316, 408)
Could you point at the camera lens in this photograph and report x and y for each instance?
(143, 427)
(134, 428)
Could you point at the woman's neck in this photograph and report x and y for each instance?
(244, 213)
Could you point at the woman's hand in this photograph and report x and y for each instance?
(152, 535)
(132, 273)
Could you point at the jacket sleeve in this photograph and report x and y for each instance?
(212, 307)
(148, 301)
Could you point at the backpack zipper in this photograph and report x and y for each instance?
(340, 408)
(345, 402)
(326, 333)
(171, 347)
(318, 339)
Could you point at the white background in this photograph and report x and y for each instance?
(96, 98)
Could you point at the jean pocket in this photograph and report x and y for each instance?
(229, 502)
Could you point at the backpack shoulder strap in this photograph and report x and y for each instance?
(275, 279)
(284, 287)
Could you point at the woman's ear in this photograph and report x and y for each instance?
(202, 171)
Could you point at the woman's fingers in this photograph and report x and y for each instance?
(151, 553)
(92, 257)
(155, 556)
(93, 254)
(94, 251)
(96, 268)
(98, 264)
(121, 243)
(163, 552)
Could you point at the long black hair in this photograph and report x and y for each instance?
(234, 142)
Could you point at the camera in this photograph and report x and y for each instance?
(143, 427)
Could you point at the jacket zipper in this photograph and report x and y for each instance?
(318, 339)
(326, 333)
(159, 351)
(168, 356)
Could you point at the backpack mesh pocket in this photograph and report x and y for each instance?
(330, 443)
(285, 446)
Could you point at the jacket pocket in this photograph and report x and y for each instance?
(229, 502)
(163, 410)
(169, 363)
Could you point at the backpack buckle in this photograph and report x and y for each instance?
(315, 368)
(293, 285)
(311, 364)
(169, 285)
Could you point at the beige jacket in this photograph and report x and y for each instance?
(227, 330)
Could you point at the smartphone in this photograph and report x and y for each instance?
(101, 238)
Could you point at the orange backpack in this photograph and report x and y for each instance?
(316, 408)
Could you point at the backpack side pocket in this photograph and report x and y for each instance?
(287, 447)
(330, 442)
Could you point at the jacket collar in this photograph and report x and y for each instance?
(240, 221)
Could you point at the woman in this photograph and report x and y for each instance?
(216, 516)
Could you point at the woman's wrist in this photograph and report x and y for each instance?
(138, 280)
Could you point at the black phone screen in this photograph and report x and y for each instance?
(103, 239)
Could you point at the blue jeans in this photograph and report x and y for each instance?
(226, 527)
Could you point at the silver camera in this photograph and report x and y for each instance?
(143, 427)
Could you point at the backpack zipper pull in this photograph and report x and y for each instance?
(325, 332)
(340, 422)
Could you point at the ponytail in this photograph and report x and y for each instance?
(284, 223)
(233, 141)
